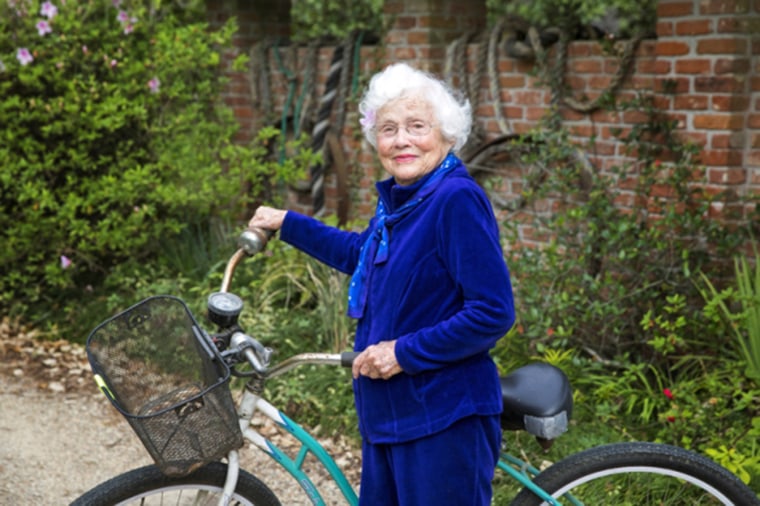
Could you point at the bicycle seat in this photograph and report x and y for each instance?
(538, 399)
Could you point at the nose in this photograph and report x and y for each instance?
(402, 137)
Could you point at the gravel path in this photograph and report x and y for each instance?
(60, 437)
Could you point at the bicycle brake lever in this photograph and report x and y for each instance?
(254, 352)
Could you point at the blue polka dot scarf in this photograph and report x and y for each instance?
(375, 250)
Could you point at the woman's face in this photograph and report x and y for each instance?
(409, 142)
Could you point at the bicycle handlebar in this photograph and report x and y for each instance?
(249, 349)
(251, 241)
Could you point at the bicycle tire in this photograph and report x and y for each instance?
(148, 486)
(640, 474)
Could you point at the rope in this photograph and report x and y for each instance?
(347, 55)
(339, 82)
(292, 82)
(493, 77)
(456, 75)
(303, 109)
(319, 132)
(261, 89)
(556, 73)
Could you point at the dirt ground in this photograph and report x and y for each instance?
(59, 436)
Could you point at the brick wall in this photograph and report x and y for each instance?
(710, 49)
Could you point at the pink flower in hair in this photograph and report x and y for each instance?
(368, 120)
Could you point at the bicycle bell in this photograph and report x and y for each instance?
(224, 308)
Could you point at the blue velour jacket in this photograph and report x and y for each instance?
(444, 294)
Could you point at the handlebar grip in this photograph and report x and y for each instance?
(254, 240)
(347, 358)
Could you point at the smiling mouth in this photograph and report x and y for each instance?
(405, 158)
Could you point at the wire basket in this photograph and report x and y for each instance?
(163, 373)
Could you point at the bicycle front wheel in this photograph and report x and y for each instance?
(639, 474)
(147, 486)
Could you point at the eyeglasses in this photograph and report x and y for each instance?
(415, 128)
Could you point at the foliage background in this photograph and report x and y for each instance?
(120, 180)
(114, 142)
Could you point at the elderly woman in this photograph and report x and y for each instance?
(432, 295)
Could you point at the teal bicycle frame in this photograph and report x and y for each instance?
(251, 403)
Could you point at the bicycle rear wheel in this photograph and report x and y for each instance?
(639, 474)
(147, 486)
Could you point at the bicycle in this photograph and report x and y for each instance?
(178, 401)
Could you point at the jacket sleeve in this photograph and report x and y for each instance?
(335, 247)
(468, 243)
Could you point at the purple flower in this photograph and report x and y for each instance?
(154, 85)
(43, 27)
(49, 10)
(23, 56)
(368, 120)
(128, 28)
(116, 3)
(65, 262)
(113, 63)
(122, 17)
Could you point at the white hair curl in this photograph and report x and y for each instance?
(452, 111)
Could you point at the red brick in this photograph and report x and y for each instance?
(417, 37)
(693, 66)
(735, 175)
(650, 66)
(719, 121)
(693, 27)
(699, 138)
(512, 81)
(734, 25)
(724, 158)
(664, 28)
(674, 9)
(600, 82)
(642, 82)
(672, 84)
(732, 65)
(691, 102)
(723, 6)
(404, 54)
(586, 66)
(718, 84)
(730, 103)
(581, 48)
(535, 113)
(722, 46)
(671, 48)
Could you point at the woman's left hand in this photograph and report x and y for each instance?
(378, 361)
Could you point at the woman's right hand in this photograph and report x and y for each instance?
(267, 218)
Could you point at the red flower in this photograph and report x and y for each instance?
(667, 393)
(671, 418)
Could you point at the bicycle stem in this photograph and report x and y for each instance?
(251, 241)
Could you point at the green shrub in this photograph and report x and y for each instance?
(315, 19)
(604, 266)
(619, 287)
(114, 139)
(737, 309)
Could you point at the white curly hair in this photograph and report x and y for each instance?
(452, 111)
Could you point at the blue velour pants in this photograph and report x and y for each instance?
(454, 467)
